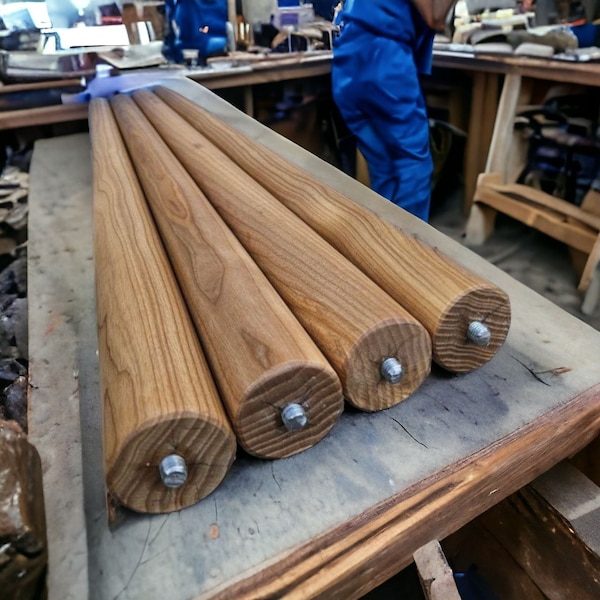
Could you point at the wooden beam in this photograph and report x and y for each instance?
(552, 529)
(158, 395)
(503, 128)
(545, 220)
(442, 295)
(478, 559)
(437, 579)
(373, 547)
(484, 106)
(262, 358)
(354, 322)
(45, 115)
(545, 200)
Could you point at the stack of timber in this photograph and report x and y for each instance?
(264, 363)
(276, 313)
(356, 324)
(449, 300)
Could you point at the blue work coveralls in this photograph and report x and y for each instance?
(382, 48)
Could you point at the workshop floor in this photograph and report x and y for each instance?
(531, 257)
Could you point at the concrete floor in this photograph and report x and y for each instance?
(531, 257)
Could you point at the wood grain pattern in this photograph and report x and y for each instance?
(261, 357)
(484, 100)
(444, 296)
(157, 391)
(353, 321)
(374, 546)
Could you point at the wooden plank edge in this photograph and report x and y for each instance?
(435, 574)
(591, 266)
(369, 549)
(45, 115)
(543, 219)
(548, 201)
(576, 499)
(550, 528)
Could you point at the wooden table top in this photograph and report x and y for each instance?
(303, 65)
(584, 73)
(333, 521)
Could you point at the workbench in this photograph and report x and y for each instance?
(331, 522)
(488, 129)
(479, 101)
(506, 158)
(221, 76)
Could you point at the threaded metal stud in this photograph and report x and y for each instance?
(479, 333)
(391, 370)
(173, 470)
(294, 417)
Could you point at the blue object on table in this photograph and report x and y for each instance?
(195, 25)
(587, 34)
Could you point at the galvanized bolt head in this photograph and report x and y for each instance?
(294, 417)
(391, 370)
(479, 333)
(173, 470)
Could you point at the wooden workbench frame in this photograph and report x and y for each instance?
(334, 521)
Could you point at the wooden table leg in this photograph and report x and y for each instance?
(590, 281)
(484, 104)
(480, 224)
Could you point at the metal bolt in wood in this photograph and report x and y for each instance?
(294, 417)
(479, 333)
(391, 370)
(173, 470)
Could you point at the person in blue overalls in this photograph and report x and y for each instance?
(382, 48)
(195, 25)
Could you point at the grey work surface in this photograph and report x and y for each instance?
(263, 509)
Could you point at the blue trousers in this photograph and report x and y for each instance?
(376, 87)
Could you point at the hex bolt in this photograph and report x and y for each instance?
(294, 417)
(479, 333)
(391, 370)
(173, 470)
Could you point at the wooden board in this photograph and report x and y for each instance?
(361, 501)
(44, 115)
(546, 220)
(551, 529)
(435, 574)
(159, 398)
